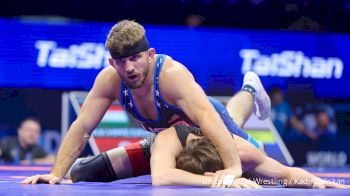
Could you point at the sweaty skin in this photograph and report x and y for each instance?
(177, 86)
(164, 172)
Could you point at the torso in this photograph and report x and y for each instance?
(154, 112)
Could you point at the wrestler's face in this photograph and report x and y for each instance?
(133, 69)
(29, 132)
(276, 98)
(322, 120)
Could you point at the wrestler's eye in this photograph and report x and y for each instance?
(120, 62)
(135, 57)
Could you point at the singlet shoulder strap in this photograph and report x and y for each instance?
(158, 66)
(182, 132)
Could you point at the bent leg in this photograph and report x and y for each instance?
(123, 162)
(240, 107)
(230, 124)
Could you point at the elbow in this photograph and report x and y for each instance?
(159, 179)
(157, 182)
(203, 120)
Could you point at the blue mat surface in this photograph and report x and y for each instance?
(10, 176)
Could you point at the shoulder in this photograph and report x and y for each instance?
(108, 74)
(173, 68)
(167, 141)
(167, 137)
(173, 78)
(167, 133)
(107, 82)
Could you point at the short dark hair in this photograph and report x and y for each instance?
(30, 118)
(123, 35)
(199, 156)
(274, 90)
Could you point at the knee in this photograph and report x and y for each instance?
(93, 169)
(239, 121)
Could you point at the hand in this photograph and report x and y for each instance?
(222, 179)
(244, 183)
(322, 184)
(218, 176)
(45, 178)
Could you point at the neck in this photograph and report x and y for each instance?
(148, 83)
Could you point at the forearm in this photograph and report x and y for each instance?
(71, 147)
(217, 132)
(180, 177)
(298, 177)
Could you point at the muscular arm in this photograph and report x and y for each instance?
(291, 176)
(93, 109)
(163, 165)
(263, 167)
(180, 86)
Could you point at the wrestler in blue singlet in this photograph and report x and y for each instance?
(169, 115)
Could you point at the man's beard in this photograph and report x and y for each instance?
(139, 83)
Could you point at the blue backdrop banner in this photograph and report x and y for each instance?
(70, 55)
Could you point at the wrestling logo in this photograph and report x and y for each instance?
(87, 55)
(290, 63)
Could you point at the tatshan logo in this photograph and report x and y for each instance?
(87, 55)
(290, 63)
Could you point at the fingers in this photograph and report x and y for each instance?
(222, 179)
(41, 179)
(36, 179)
(27, 180)
(66, 182)
(55, 180)
(319, 186)
(227, 181)
(31, 180)
(336, 185)
(255, 185)
(245, 183)
(216, 179)
(222, 183)
(252, 184)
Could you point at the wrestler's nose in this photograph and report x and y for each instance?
(129, 68)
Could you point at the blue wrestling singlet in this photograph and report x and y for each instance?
(169, 115)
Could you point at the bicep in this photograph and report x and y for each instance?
(161, 160)
(93, 109)
(164, 151)
(188, 95)
(96, 104)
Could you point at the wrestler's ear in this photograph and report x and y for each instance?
(111, 62)
(151, 52)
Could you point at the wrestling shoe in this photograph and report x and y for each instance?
(262, 102)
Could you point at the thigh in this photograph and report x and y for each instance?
(229, 123)
(131, 160)
(227, 119)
